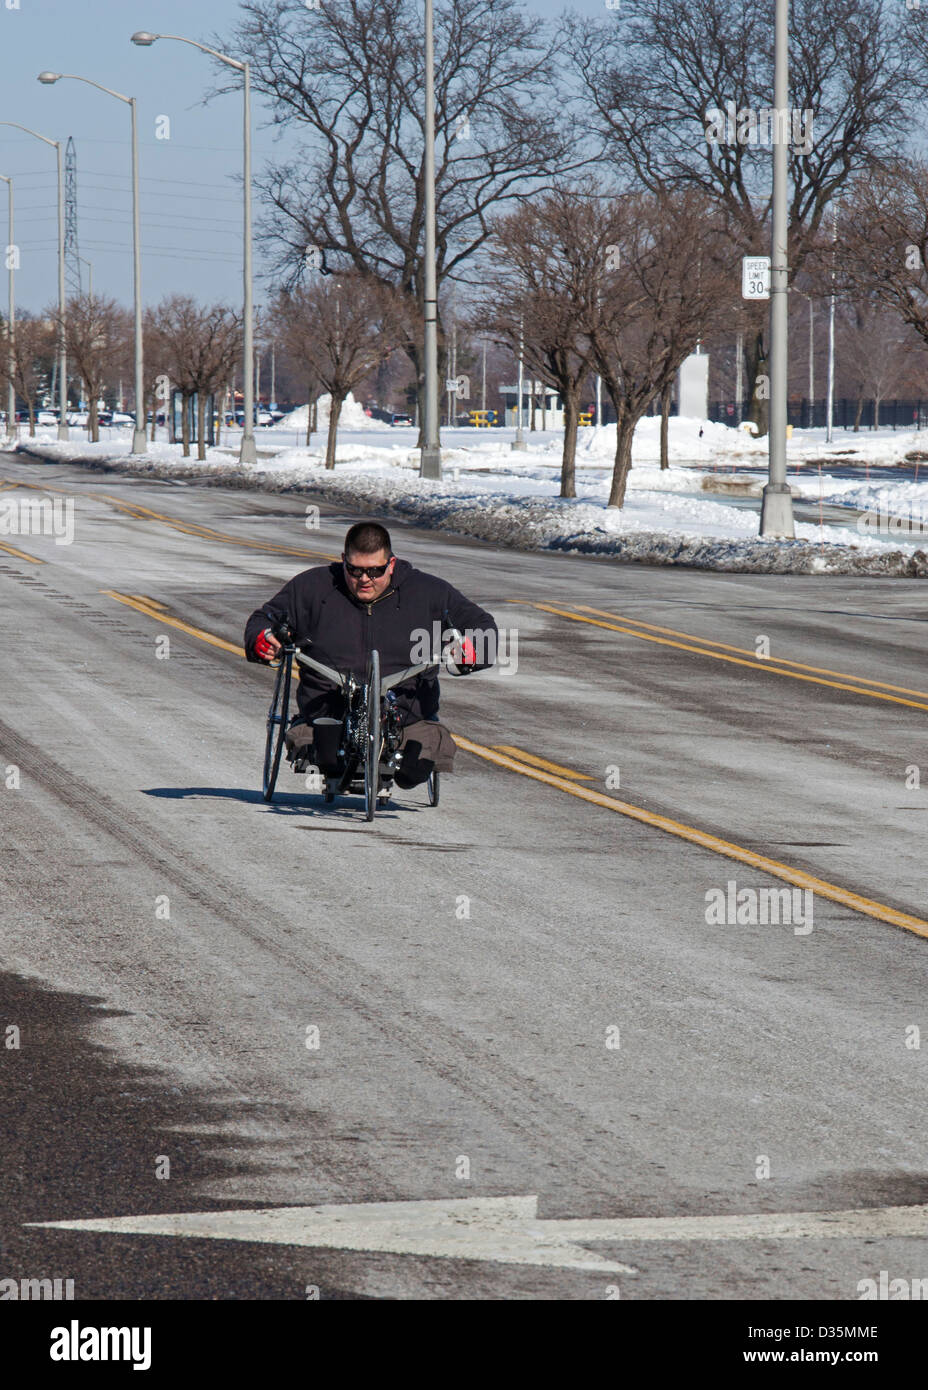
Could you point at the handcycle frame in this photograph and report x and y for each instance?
(370, 732)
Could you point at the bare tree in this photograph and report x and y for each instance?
(350, 75)
(199, 345)
(679, 93)
(875, 349)
(544, 280)
(34, 342)
(158, 358)
(882, 232)
(345, 327)
(294, 322)
(97, 337)
(624, 287)
(667, 289)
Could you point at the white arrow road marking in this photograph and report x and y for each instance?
(502, 1229)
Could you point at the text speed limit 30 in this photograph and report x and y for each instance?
(755, 277)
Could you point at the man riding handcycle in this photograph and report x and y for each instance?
(371, 609)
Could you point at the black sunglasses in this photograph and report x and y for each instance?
(374, 571)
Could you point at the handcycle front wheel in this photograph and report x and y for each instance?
(277, 719)
(373, 737)
(432, 785)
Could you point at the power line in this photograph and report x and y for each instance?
(224, 226)
(191, 183)
(181, 252)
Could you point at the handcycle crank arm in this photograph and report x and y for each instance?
(335, 677)
(388, 682)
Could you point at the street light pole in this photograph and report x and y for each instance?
(63, 432)
(430, 455)
(830, 408)
(519, 441)
(811, 356)
(139, 434)
(776, 516)
(139, 443)
(248, 454)
(62, 348)
(739, 376)
(11, 325)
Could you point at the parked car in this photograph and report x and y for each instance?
(46, 417)
(389, 417)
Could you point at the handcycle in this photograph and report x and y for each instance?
(368, 740)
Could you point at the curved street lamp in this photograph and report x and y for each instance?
(139, 444)
(143, 39)
(62, 347)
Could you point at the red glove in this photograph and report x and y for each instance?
(263, 645)
(461, 656)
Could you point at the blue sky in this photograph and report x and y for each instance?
(191, 205)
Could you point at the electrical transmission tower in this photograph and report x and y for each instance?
(72, 260)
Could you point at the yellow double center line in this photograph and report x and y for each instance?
(20, 554)
(187, 528)
(719, 651)
(208, 533)
(564, 780)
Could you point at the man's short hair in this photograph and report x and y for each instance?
(366, 538)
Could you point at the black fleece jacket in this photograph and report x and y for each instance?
(318, 605)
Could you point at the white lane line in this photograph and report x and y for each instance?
(506, 1230)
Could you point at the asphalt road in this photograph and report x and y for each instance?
(521, 992)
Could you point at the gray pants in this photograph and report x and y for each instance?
(427, 746)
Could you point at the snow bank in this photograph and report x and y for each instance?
(666, 520)
(352, 416)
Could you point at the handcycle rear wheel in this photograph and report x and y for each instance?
(433, 788)
(372, 735)
(277, 719)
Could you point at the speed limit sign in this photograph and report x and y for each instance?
(755, 277)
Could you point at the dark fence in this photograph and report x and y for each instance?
(805, 414)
